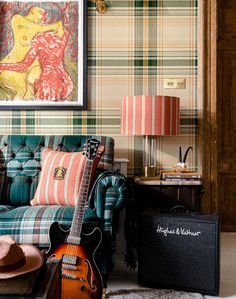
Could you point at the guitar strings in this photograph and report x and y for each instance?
(76, 227)
(72, 249)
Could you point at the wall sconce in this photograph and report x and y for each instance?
(101, 6)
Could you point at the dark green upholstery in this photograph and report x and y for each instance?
(20, 162)
(20, 166)
(35, 222)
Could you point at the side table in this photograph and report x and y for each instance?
(120, 165)
(162, 194)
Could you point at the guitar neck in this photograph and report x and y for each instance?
(82, 203)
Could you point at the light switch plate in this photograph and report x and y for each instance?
(175, 83)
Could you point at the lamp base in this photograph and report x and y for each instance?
(150, 171)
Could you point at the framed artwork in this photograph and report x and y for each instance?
(43, 53)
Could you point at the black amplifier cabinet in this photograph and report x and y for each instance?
(179, 251)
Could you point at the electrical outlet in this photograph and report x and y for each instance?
(175, 83)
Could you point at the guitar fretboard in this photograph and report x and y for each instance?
(82, 204)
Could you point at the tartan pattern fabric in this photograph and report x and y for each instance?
(20, 161)
(112, 187)
(30, 225)
(132, 48)
(109, 197)
(20, 166)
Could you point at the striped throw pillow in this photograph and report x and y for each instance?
(60, 178)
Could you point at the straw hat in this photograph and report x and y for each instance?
(16, 260)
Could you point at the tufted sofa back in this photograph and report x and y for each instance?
(20, 162)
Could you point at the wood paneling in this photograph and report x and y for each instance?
(227, 104)
(209, 123)
(228, 17)
(227, 113)
(227, 194)
(219, 142)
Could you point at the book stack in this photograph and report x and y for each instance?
(180, 176)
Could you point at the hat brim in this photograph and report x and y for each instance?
(34, 259)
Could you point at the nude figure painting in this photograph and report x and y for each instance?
(42, 54)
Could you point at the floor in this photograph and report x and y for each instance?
(127, 279)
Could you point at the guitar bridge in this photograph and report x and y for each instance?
(69, 259)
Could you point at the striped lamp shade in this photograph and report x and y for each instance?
(150, 115)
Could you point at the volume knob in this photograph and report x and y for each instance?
(82, 288)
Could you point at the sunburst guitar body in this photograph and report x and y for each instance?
(80, 276)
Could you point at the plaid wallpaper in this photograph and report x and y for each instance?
(131, 49)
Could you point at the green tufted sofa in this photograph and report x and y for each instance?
(20, 165)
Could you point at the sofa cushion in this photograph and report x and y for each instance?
(60, 178)
(31, 224)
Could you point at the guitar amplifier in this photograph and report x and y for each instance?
(179, 251)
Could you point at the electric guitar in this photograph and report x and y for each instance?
(79, 274)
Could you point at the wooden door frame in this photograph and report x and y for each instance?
(209, 121)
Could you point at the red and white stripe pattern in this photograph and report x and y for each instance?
(150, 115)
(51, 191)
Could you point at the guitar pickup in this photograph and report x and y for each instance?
(69, 259)
(69, 276)
(73, 240)
(69, 267)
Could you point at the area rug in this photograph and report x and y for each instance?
(151, 294)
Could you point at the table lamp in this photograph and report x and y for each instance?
(150, 116)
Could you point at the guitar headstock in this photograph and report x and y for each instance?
(93, 149)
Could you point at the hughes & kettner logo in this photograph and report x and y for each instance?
(59, 173)
(182, 231)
